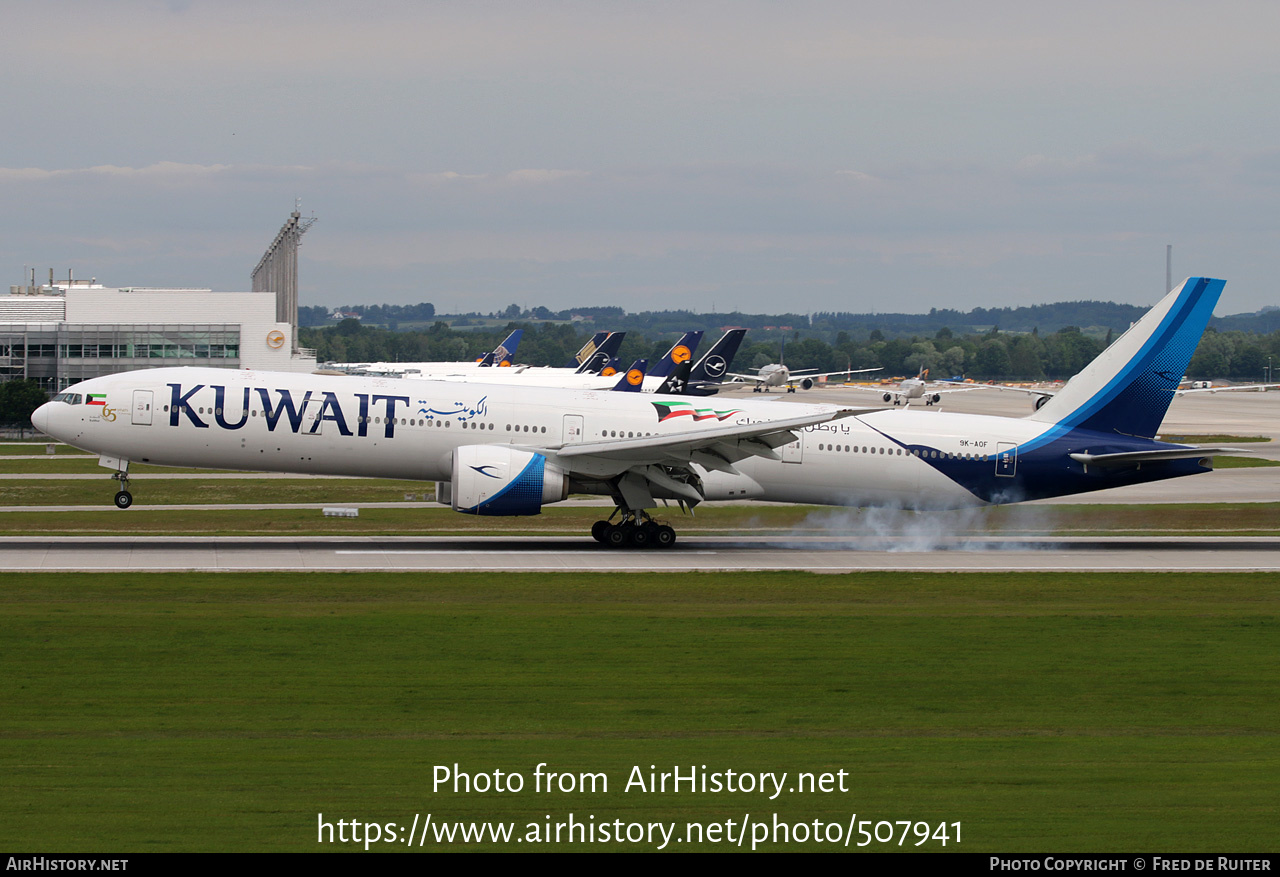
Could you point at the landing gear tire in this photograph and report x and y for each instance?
(124, 499)
(615, 536)
(664, 536)
(600, 531)
(640, 537)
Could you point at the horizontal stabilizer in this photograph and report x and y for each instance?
(1134, 458)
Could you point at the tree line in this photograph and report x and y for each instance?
(990, 355)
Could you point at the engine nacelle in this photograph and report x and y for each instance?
(937, 397)
(888, 397)
(806, 384)
(1040, 400)
(502, 480)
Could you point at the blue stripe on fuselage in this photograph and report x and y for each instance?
(1043, 469)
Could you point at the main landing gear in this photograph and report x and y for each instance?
(123, 498)
(634, 530)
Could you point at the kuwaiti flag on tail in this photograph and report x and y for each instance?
(668, 410)
(96, 399)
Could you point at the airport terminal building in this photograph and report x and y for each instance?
(74, 330)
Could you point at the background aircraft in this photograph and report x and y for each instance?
(918, 387)
(680, 352)
(500, 357)
(776, 374)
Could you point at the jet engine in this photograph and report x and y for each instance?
(501, 480)
(1040, 400)
(888, 397)
(806, 383)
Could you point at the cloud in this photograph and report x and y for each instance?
(944, 233)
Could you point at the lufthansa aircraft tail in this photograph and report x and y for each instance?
(633, 380)
(1128, 388)
(681, 351)
(715, 365)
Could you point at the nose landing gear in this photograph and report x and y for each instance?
(123, 498)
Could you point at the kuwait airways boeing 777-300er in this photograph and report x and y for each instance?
(504, 450)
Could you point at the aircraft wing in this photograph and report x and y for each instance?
(1000, 388)
(958, 388)
(662, 448)
(663, 465)
(806, 373)
(895, 390)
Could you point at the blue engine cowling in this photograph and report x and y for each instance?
(502, 480)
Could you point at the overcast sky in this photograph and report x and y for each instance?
(762, 156)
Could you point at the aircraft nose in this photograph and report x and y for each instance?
(40, 417)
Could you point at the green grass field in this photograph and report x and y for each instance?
(1044, 712)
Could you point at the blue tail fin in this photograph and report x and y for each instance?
(1128, 388)
(603, 354)
(681, 351)
(587, 349)
(719, 359)
(502, 354)
(633, 379)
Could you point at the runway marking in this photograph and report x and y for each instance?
(489, 553)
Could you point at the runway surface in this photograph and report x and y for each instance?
(707, 554)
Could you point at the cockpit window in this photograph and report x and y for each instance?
(69, 398)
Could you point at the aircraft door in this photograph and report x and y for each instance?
(142, 407)
(794, 452)
(573, 429)
(1006, 459)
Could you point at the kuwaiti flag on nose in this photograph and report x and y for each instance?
(96, 399)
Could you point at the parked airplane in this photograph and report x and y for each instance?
(920, 388)
(776, 374)
(708, 373)
(580, 358)
(499, 357)
(681, 351)
(504, 450)
(595, 356)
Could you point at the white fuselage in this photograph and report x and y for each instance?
(390, 428)
(393, 428)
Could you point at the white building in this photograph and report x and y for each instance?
(66, 332)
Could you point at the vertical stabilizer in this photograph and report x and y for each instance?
(681, 351)
(633, 380)
(1128, 388)
(602, 355)
(587, 349)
